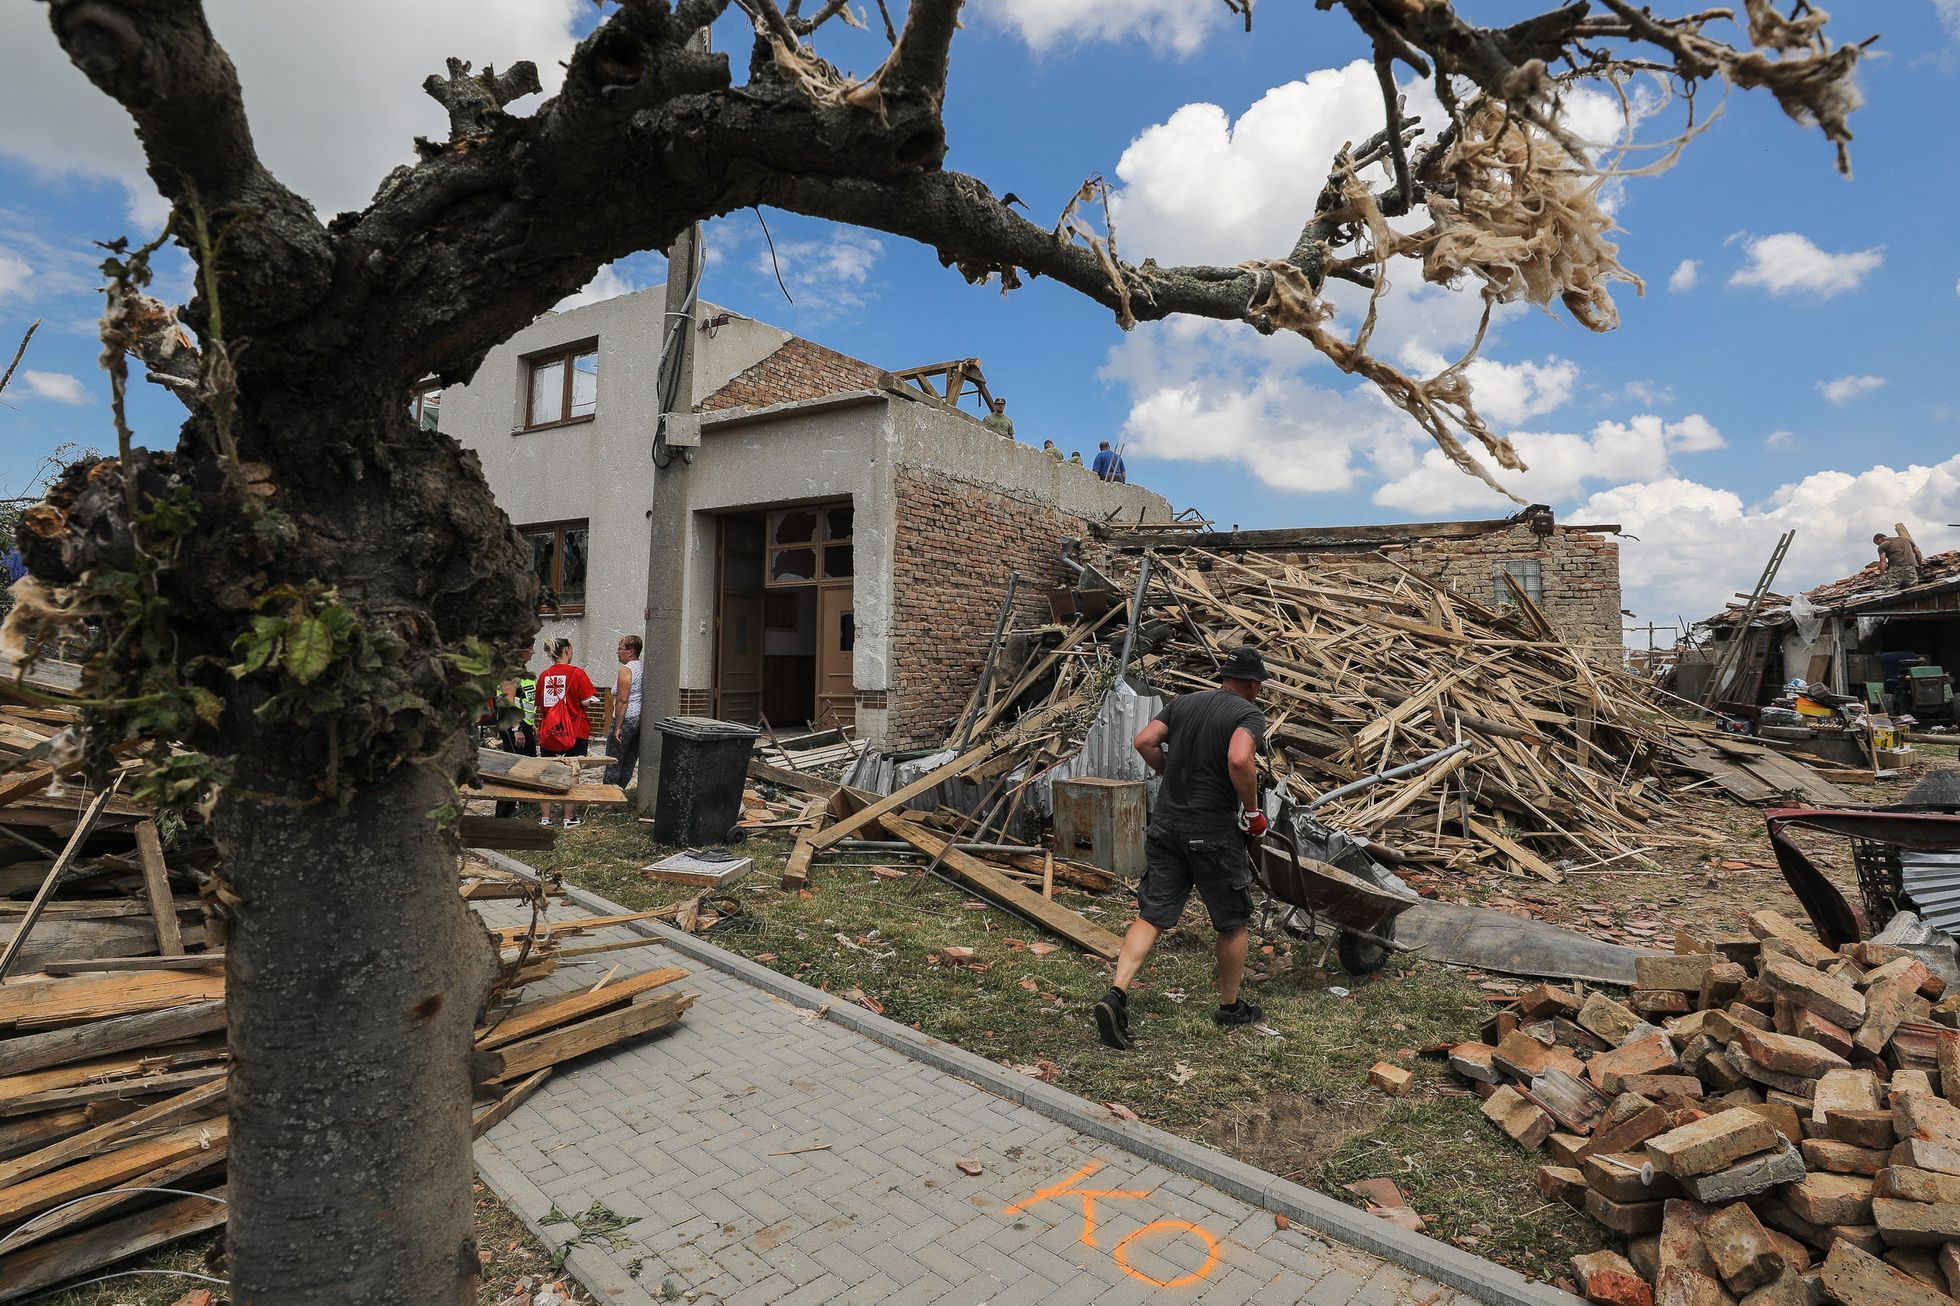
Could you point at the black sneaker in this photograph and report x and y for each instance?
(1239, 1013)
(1113, 1021)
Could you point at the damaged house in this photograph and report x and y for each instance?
(848, 534)
(1846, 635)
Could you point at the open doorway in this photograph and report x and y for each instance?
(785, 625)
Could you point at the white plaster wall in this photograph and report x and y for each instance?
(602, 470)
(954, 445)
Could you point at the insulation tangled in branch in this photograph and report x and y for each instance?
(1071, 227)
(1524, 218)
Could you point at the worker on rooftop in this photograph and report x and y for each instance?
(1109, 464)
(1205, 745)
(1898, 559)
(1048, 447)
(997, 419)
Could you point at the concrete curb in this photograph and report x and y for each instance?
(1482, 1279)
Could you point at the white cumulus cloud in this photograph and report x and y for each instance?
(1777, 439)
(1789, 264)
(827, 274)
(14, 274)
(1685, 275)
(1178, 26)
(610, 283)
(1846, 388)
(1561, 465)
(58, 386)
(334, 91)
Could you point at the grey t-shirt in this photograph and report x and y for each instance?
(1197, 792)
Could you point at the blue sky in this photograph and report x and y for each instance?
(1795, 374)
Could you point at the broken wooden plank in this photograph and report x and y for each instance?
(845, 827)
(1008, 892)
(111, 1168)
(24, 1273)
(156, 889)
(518, 771)
(102, 1037)
(12, 952)
(549, 1013)
(497, 1111)
(89, 965)
(559, 1045)
(190, 1102)
(796, 871)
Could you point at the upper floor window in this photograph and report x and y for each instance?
(1529, 575)
(425, 406)
(560, 553)
(562, 386)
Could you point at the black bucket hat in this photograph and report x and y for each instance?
(1243, 663)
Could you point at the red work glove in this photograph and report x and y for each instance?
(1253, 823)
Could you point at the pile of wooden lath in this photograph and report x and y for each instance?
(1762, 1114)
(112, 1020)
(826, 753)
(1570, 761)
(834, 819)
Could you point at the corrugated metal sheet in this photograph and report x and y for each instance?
(1932, 881)
(1107, 753)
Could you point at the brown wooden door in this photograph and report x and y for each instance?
(836, 638)
(738, 622)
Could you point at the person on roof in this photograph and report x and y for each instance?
(1898, 560)
(997, 419)
(1048, 447)
(1109, 464)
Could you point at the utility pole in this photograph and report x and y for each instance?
(660, 693)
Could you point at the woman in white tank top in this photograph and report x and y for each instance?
(623, 713)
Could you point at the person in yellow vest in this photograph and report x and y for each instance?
(520, 692)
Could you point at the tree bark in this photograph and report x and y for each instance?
(355, 975)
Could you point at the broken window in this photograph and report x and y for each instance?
(560, 553)
(562, 386)
(1529, 575)
(807, 545)
(425, 406)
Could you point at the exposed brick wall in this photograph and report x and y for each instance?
(1580, 573)
(799, 370)
(953, 545)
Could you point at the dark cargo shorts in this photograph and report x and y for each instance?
(1217, 865)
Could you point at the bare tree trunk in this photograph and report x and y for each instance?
(351, 1059)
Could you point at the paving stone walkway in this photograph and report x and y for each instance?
(774, 1157)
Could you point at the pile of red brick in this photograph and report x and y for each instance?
(1761, 1121)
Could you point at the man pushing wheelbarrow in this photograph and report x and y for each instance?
(1206, 747)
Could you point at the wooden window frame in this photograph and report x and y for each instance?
(557, 531)
(565, 354)
(416, 398)
(818, 542)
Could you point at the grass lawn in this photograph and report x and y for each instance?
(1292, 1098)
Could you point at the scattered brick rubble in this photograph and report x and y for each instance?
(1761, 1121)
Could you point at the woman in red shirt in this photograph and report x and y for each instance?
(563, 730)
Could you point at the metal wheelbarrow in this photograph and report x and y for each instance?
(1317, 878)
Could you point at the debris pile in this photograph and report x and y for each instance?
(113, 1059)
(1764, 1114)
(1570, 764)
